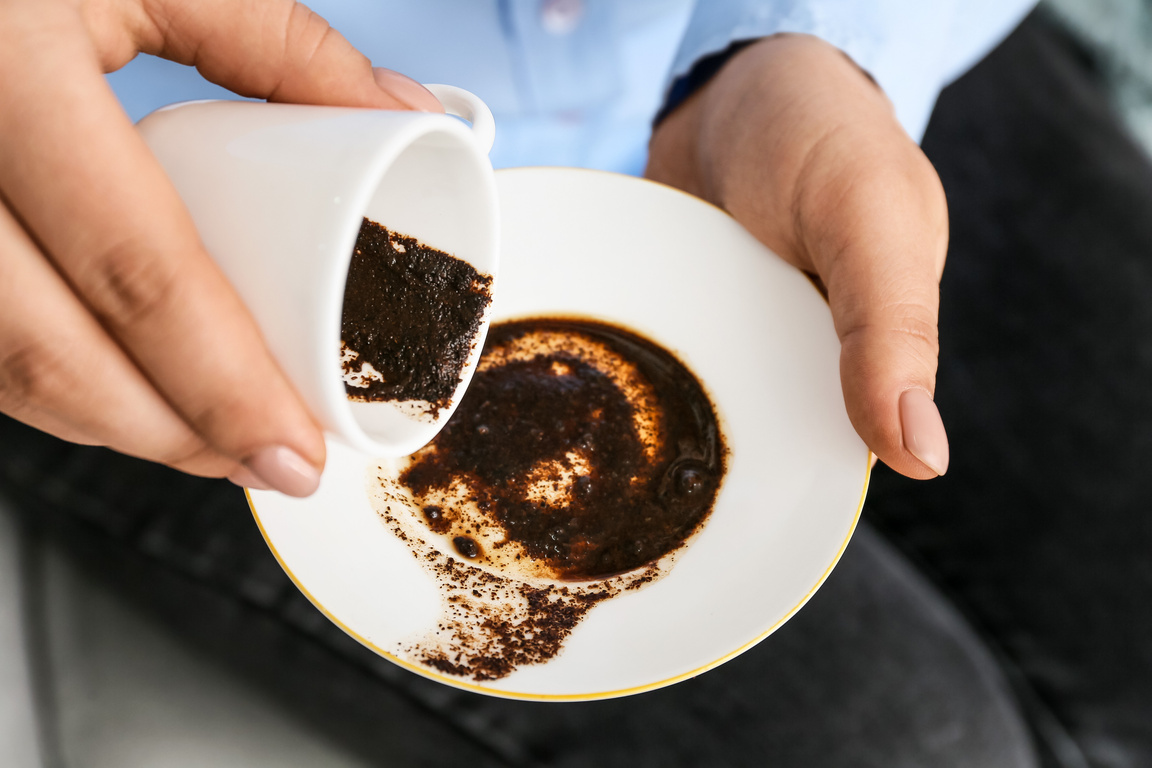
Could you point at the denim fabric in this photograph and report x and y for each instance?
(876, 671)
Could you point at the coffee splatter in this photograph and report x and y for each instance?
(491, 623)
(579, 463)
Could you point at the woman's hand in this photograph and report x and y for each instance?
(802, 148)
(116, 328)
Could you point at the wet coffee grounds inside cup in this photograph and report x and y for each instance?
(410, 319)
(580, 461)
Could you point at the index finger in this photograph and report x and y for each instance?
(271, 49)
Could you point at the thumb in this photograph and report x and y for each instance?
(881, 254)
(804, 150)
(277, 50)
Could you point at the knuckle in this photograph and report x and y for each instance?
(33, 373)
(920, 343)
(221, 421)
(126, 287)
(910, 327)
(196, 457)
(307, 34)
(914, 322)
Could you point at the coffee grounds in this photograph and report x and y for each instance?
(491, 623)
(581, 452)
(410, 319)
(592, 449)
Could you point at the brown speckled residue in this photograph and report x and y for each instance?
(579, 463)
(491, 623)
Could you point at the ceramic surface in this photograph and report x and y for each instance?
(759, 337)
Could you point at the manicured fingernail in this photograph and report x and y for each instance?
(246, 478)
(406, 90)
(924, 434)
(284, 470)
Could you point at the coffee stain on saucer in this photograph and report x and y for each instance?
(580, 463)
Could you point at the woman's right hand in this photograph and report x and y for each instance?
(116, 328)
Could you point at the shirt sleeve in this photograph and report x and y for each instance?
(912, 48)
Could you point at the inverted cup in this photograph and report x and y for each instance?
(278, 193)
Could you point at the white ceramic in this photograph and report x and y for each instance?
(759, 337)
(278, 192)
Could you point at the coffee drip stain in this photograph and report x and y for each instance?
(581, 459)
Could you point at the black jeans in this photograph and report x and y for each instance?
(1032, 646)
(1041, 531)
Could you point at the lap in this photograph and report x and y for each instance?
(876, 670)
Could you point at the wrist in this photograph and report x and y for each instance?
(747, 139)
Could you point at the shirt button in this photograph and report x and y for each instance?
(561, 17)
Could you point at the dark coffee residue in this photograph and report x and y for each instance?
(632, 498)
(467, 546)
(508, 641)
(413, 313)
(492, 624)
(434, 516)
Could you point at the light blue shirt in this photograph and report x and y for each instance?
(577, 82)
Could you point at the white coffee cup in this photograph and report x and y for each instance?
(278, 193)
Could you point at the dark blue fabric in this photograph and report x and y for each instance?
(702, 71)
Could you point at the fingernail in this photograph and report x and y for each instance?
(284, 470)
(246, 478)
(924, 434)
(406, 90)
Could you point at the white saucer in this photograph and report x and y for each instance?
(759, 337)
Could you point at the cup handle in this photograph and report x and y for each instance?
(468, 106)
